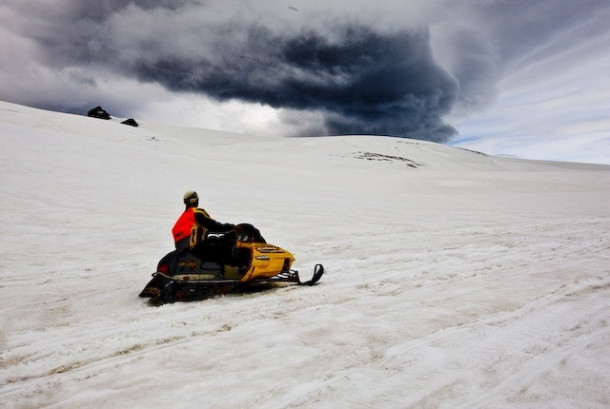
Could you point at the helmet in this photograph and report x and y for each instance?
(191, 198)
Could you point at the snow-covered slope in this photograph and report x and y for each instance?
(454, 279)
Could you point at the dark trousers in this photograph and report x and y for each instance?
(219, 249)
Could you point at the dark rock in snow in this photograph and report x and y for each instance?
(130, 122)
(98, 112)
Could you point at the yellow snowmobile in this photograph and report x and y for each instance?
(254, 264)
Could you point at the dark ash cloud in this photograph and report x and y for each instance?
(358, 79)
(366, 82)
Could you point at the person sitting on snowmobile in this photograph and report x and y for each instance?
(192, 228)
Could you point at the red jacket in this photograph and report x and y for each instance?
(192, 226)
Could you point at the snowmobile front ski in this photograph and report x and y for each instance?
(318, 271)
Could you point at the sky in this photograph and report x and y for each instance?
(518, 78)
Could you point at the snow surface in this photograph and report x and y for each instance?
(454, 279)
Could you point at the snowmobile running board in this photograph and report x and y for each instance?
(291, 276)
